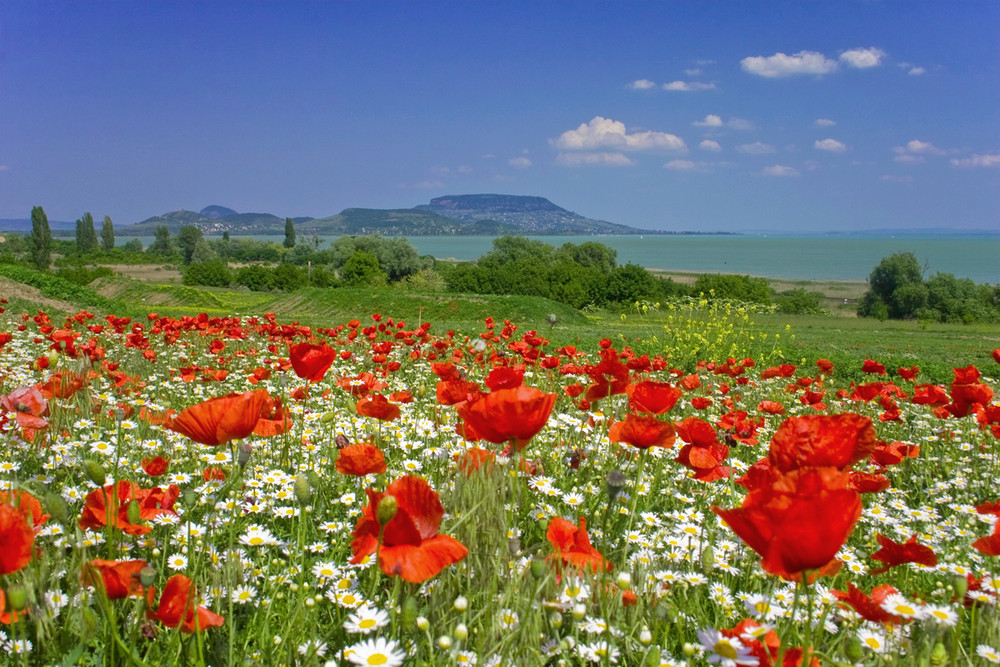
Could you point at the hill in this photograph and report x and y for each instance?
(526, 215)
(399, 222)
(213, 220)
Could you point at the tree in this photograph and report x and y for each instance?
(891, 274)
(362, 270)
(41, 239)
(107, 234)
(162, 243)
(187, 239)
(86, 237)
(289, 233)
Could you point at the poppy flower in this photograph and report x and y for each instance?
(873, 367)
(642, 432)
(996, 355)
(274, 419)
(155, 467)
(360, 460)
(411, 546)
(151, 502)
(652, 397)
(377, 406)
(119, 579)
(508, 414)
(221, 419)
(866, 482)
(896, 553)
(870, 607)
(455, 390)
(825, 366)
(178, 609)
(799, 522)
(17, 538)
(311, 362)
(771, 407)
(504, 377)
(822, 440)
(475, 458)
(572, 545)
(28, 505)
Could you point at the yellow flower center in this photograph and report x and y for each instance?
(725, 649)
(377, 659)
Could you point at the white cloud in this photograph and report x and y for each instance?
(756, 148)
(824, 122)
(694, 71)
(831, 145)
(583, 159)
(916, 71)
(686, 165)
(780, 170)
(781, 65)
(688, 86)
(603, 132)
(917, 147)
(863, 58)
(906, 158)
(739, 124)
(711, 120)
(641, 84)
(519, 162)
(977, 161)
(709, 145)
(890, 178)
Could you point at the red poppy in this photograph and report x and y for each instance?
(377, 406)
(504, 377)
(213, 473)
(455, 390)
(221, 419)
(572, 545)
(311, 362)
(873, 367)
(825, 366)
(866, 482)
(178, 608)
(28, 505)
(896, 553)
(822, 440)
(870, 608)
(996, 355)
(475, 458)
(908, 373)
(799, 522)
(700, 402)
(642, 432)
(966, 393)
(893, 453)
(360, 460)
(155, 467)
(411, 546)
(151, 502)
(274, 418)
(17, 538)
(990, 544)
(120, 579)
(771, 407)
(652, 397)
(508, 414)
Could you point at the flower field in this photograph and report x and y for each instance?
(246, 491)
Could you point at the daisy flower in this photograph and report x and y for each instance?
(244, 594)
(872, 640)
(376, 651)
(726, 651)
(366, 620)
(988, 653)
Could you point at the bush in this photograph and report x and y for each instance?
(82, 275)
(800, 302)
(736, 288)
(213, 273)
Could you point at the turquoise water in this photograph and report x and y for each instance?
(797, 258)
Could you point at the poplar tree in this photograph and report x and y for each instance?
(289, 233)
(107, 234)
(41, 239)
(86, 237)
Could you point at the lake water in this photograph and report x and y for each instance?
(796, 258)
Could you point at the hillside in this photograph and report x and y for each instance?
(399, 222)
(213, 220)
(527, 215)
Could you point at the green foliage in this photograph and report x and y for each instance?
(288, 277)
(56, 287)
(255, 277)
(203, 253)
(799, 301)
(363, 270)
(187, 239)
(83, 275)
(739, 288)
(86, 236)
(41, 239)
(107, 234)
(162, 245)
(135, 245)
(289, 233)
(213, 273)
(396, 256)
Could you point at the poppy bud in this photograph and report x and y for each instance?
(95, 472)
(313, 478)
(89, 623)
(147, 576)
(538, 568)
(328, 417)
(615, 482)
(246, 449)
(854, 650)
(190, 498)
(653, 657)
(17, 598)
(303, 490)
(57, 507)
(387, 508)
(134, 513)
(707, 559)
(409, 615)
(961, 587)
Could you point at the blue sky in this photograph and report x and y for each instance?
(729, 116)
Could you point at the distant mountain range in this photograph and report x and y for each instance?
(454, 215)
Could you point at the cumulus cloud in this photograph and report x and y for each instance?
(824, 122)
(711, 120)
(688, 86)
(916, 71)
(685, 165)
(782, 65)
(977, 161)
(917, 147)
(519, 162)
(780, 170)
(831, 145)
(641, 84)
(863, 58)
(756, 148)
(603, 132)
(585, 159)
(709, 145)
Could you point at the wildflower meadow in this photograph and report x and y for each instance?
(246, 491)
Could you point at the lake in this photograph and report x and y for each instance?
(795, 258)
